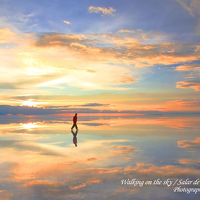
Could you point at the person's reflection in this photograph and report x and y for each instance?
(74, 133)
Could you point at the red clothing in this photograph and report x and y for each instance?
(75, 119)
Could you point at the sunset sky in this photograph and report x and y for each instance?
(113, 55)
(129, 68)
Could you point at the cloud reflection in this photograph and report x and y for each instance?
(30, 126)
(47, 166)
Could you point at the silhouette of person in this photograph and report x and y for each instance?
(74, 136)
(75, 122)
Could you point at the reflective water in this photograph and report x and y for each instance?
(41, 159)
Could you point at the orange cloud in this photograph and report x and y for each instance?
(135, 52)
(38, 163)
(67, 22)
(104, 11)
(126, 31)
(40, 182)
(78, 186)
(63, 175)
(163, 59)
(5, 195)
(54, 60)
(148, 169)
(189, 143)
(189, 162)
(109, 171)
(181, 105)
(31, 59)
(195, 85)
(188, 67)
(83, 185)
(7, 36)
(124, 150)
(166, 170)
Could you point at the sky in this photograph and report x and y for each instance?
(100, 55)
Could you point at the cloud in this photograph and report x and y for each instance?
(123, 150)
(33, 60)
(45, 61)
(195, 85)
(106, 176)
(165, 170)
(73, 177)
(126, 31)
(194, 76)
(93, 124)
(58, 39)
(83, 185)
(172, 108)
(67, 22)
(151, 170)
(189, 143)
(6, 109)
(29, 146)
(40, 183)
(193, 8)
(188, 67)
(182, 105)
(192, 69)
(104, 11)
(27, 110)
(94, 104)
(121, 49)
(5, 195)
(189, 162)
(7, 36)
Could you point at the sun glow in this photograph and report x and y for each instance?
(30, 126)
(30, 103)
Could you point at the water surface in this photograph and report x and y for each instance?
(39, 160)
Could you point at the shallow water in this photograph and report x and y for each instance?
(39, 160)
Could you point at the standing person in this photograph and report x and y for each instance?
(74, 122)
